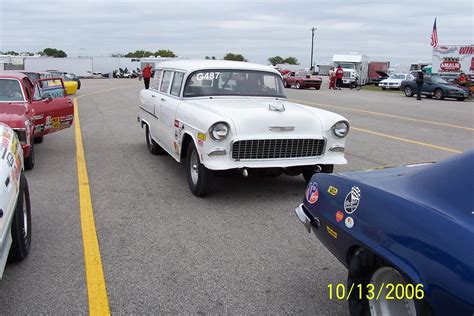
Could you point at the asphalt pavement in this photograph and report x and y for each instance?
(240, 250)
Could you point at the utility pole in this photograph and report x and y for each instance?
(312, 46)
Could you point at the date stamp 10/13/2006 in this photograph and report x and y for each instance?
(386, 291)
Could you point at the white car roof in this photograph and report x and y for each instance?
(193, 65)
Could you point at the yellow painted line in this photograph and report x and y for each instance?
(96, 288)
(383, 114)
(407, 140)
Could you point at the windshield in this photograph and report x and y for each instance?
(439, 80)
(233, 82)
(397, 76)
(10, 91)
(346, 66)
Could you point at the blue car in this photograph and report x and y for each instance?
(405, 234)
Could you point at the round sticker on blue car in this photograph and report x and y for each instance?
(312, 193)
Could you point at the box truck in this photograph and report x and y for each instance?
(353, 65)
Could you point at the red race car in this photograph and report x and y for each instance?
(302, 80)
(33, 110)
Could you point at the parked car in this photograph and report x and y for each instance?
(69, 76)
(301, 80)
(434, 87)
(382, 75)
(394, 81)
(15, 210)
(31, 111)
(71, 85)
(403, 231)
(224, 115)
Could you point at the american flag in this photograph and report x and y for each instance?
(434, 36)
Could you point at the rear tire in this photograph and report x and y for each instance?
(287, 85)
(30, 160)
(408, 91)
(298, 85)
(38, 140)
(152, 146)
(199, 177)
(21, 224)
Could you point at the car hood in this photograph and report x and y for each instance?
(13, 114)
(382, 73)
(253, 117)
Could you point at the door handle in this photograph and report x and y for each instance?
(163, 99)
(152, 95)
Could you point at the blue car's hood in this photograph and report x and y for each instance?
(446, 187)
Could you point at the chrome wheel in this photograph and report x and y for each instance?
(408, 92)
(298, 86)
(395, 307)
(25, 217)
(194, 167)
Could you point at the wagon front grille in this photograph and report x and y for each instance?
(277, 148)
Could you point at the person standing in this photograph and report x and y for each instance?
(332, 79)
(339, 75)
(146, 73)
(419, 84)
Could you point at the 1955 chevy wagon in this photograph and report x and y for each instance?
(222, 115)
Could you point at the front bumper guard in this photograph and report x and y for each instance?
(305, 219)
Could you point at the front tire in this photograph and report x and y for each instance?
(21, 224)
(199, 177)
(298, 85)
(287, 85)
(408, 91)
(366, 268)
(30, 160)
(439, 94)
(310, 171)
(38, 140)
(460, 99)
(152, 146)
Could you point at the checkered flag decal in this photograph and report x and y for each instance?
(355, 191)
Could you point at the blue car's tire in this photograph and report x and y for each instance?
(362, 267)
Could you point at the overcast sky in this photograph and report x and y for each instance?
(398, 31)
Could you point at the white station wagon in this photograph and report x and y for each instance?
(222, 115)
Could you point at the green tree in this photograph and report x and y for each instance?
(165, 53)
(139, 54)
(235, 57)
(11, 52)
(276, 60)
(53, 52)
(291, 60)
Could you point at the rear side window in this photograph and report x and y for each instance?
(177, 81)
(166, 81)
(155, 82)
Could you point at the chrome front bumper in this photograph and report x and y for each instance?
(304, 219)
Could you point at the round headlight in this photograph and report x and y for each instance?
(340, 129)
(219, 131)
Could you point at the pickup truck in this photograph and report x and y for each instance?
(15, 210)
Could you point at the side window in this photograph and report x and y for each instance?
(155, 82)
(26, 87)
(166, 81)
(177, 81)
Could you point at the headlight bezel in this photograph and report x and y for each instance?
(334, 129)
(212, 130)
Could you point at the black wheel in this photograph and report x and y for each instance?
(199, 177)
(287, 85)
(152, 146)
(358, 87)
(21, 224)
(383, 88)
(408, 91)
(317, 88)
(438, 94)
(310, 171)
(30, 160)
(366, 268)
(38, 140)
(298, 85)
(460, 99)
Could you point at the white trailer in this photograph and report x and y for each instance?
(82, 67)
(353, 65)
(453, 59)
